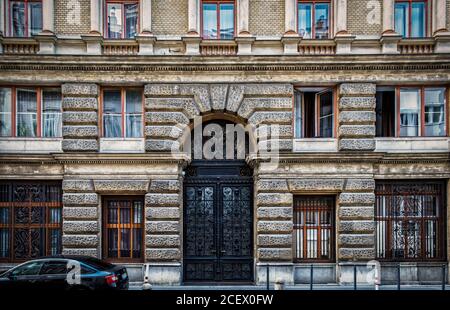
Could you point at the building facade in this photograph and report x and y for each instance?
(349, 97)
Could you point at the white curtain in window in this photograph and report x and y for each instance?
(409, 112)
(133, 113)
(435, 112)
(51, 113)
(112, 116)
(26, 113)
(5, 112)
(115, 23)
(131, 18)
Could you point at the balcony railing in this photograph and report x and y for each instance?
(317, 47)
(20, 46)
(416, 46)
(120, 47)
(218, 48)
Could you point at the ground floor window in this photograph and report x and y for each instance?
(410, 220)
(30, 220)
(314, 228)
(123, 228)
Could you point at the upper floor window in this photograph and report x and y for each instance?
(24, 18)
(314, 113)
(314, 19)
(218, 20)
(122, 113)
(411, 111)
(30, 112)
(411, 18)
(121, 19)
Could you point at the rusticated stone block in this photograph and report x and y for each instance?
(162, 200)
(356, 226)
(274, 213)
(357, 198)
(357, 117)
(218, 96)
(200, 93)
(162, 227)
(273, 90)
(186, 105)
(316, 184)
(79, 227)
(79, 145)
(356, 212)
(80, 131)
(278, 227)
(77, 199)
(93, 252)
(356, 253)
(163, 254)
(358, 185)
(352, 89)
(356, 131)
(79, 104)
(152, 145)
(173, 132)
(357, 103)
(274, 199)
(265, 131)
(161, 89)
(80, 213)
(164, 186)
(275, 240)
(79, 118)
(235, 97)
(162, 213)
(85, 241)
(356, 240)
(271, 185)
(166, 118)
(121, 186)
(77, 186)
(260, 117)
(274, 254)
(79, 89)
(162, 241)
(357, 144)
(249, 105)
(273, 145)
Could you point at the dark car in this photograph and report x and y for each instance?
(66, 273)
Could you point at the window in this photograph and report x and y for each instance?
(218, 20)
(122, 113)
(314, 228)
(30, 220)
(25, 18)
(54, 267)
(123, 229)
(122, 19)
(314, 113)
(421, 111)
(29, 269)
(410, 220)
(411, 18)
(314, 19)
(30, 112)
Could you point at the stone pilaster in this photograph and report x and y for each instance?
(80, 117)
(357, 117)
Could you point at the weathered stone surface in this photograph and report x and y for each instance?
(316, 184)
(80, 213)
(79, 104)
(186, 105)
(274, 227)
(357, 103)
(162, 241)
(260, 117)
(357, 253)
(201, 95)
(352, 89)
(274, 213)
(164, 186)
(358, 185)
(357, 117)
(274, 199)
(356, 131)
(121, 186)
(162, 227)
(235, 97)
(275, 145)
(249, 105)
(356, 212)
(173, 132)
(275, 90)
(77, 186)
(162, 200)
(163, 254)
(80, 252)
(167, 118)
(79, 118)
(218, 96)
(162, 213)
(265, 131)
(79, 89)
(274, 254)
(161, 89)
(80, 131)
(79, 227)
(80, 145)
(275, 240)
(152, 145)
(357, 198)
(356, 240)
(85, 241)
(77, 199)
(357, 144)
(355, 226)
(272, 185)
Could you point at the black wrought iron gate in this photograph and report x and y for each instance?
(218, 222)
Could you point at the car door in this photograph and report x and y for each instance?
(54, 274)
(23, 276)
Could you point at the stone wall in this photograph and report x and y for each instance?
(363, 19)
(266, 17)
(72, 16)
(170, 17)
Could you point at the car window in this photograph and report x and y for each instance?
(29, 269)
(54, 267)
(87, 270)
(97, 264)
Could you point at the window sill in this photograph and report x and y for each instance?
(122, 145)
(315, 145)
(30, 145)
(412, 144)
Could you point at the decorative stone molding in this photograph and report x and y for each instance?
(218, 48)
(317, 47)
(416, 46)
(20, 46)
(120, 47)
(121, 186)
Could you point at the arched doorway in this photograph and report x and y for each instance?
(218, 220)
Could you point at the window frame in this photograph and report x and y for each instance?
(122, 4)
(217, 3)
(39, 110)
(409, 22)
(8, 20)
(106, 224)
(313, 30)
(123, 91)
